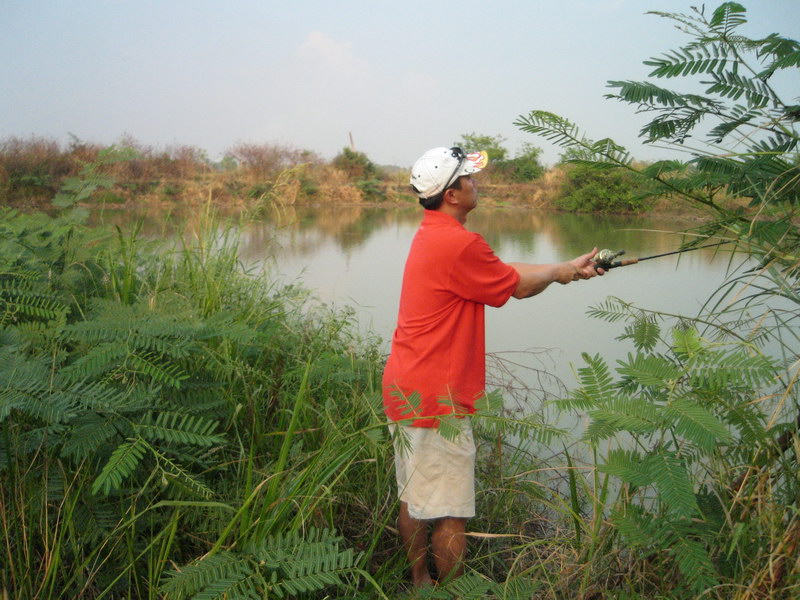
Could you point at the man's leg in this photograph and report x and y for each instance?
(449, 545)
(414, 534)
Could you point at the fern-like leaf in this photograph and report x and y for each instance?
(160, 370)
(628, 466)
(734, 86)
(694, 563)
(639, 528)
(191, 579)
(636, 415)
(121, 465)
(173, 473)
(673, 483)
(650, 370)
(736, 367)
(727, 17)
(697, 424)
(595, 379)
(644, 332)
(175, 428)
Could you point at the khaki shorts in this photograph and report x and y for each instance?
(435, 477)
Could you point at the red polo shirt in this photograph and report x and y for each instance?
(438, 356)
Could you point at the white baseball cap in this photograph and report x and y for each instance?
(437, 169)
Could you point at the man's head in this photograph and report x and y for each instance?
(439, 169)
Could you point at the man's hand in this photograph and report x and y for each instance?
(578, 268)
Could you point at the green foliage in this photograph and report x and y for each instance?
(283, 566)
(75, 190)
(740, 108)
(372, 189)
(491, 144)
(144, 394)
(585, 189)
(363, 172)
(695, 422)
(356, 165)
(682, 410)
(524, 167)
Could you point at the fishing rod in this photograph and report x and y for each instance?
(605, 258)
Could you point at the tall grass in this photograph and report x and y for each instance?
(183, 406)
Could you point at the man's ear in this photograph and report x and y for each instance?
(448, 196)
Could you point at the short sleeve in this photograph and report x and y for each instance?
(478, 275)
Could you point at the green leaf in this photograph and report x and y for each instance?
(694, 563)
(638, 528)
(697, 424)
(595, 379)
(629, 466)
(178, 428)
(673, 483)
(644, 332)
(120, 466)
(727, 17)
(650, 370)
(632, 414)
(686, 342)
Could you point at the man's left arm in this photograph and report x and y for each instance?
(534, 279)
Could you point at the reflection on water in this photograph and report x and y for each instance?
(354, 256)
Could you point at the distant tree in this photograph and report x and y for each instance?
(266, 160)
(366, 175)
(355, 164)
(492, 145)
(586, 189)
(525, 165)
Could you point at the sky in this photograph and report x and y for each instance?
(400, 77)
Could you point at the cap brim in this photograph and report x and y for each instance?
(474, 163)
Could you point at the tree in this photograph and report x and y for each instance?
(525, 165)
(362, 171)
(704, 448)
(355, 164)
(585, 189)
(492, 145)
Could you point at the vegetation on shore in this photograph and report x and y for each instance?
(259, 176)
(172, 426)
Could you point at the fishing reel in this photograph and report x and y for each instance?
(605, 259)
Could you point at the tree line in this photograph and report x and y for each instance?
(33, 169)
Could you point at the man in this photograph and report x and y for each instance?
(437, 362)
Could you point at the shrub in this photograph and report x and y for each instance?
(524, 167)
(585, 189)
(33, 167)
(355, 164)
(366, 176)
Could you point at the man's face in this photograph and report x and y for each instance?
(468, 194)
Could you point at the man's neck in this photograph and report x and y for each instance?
(454, 211)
